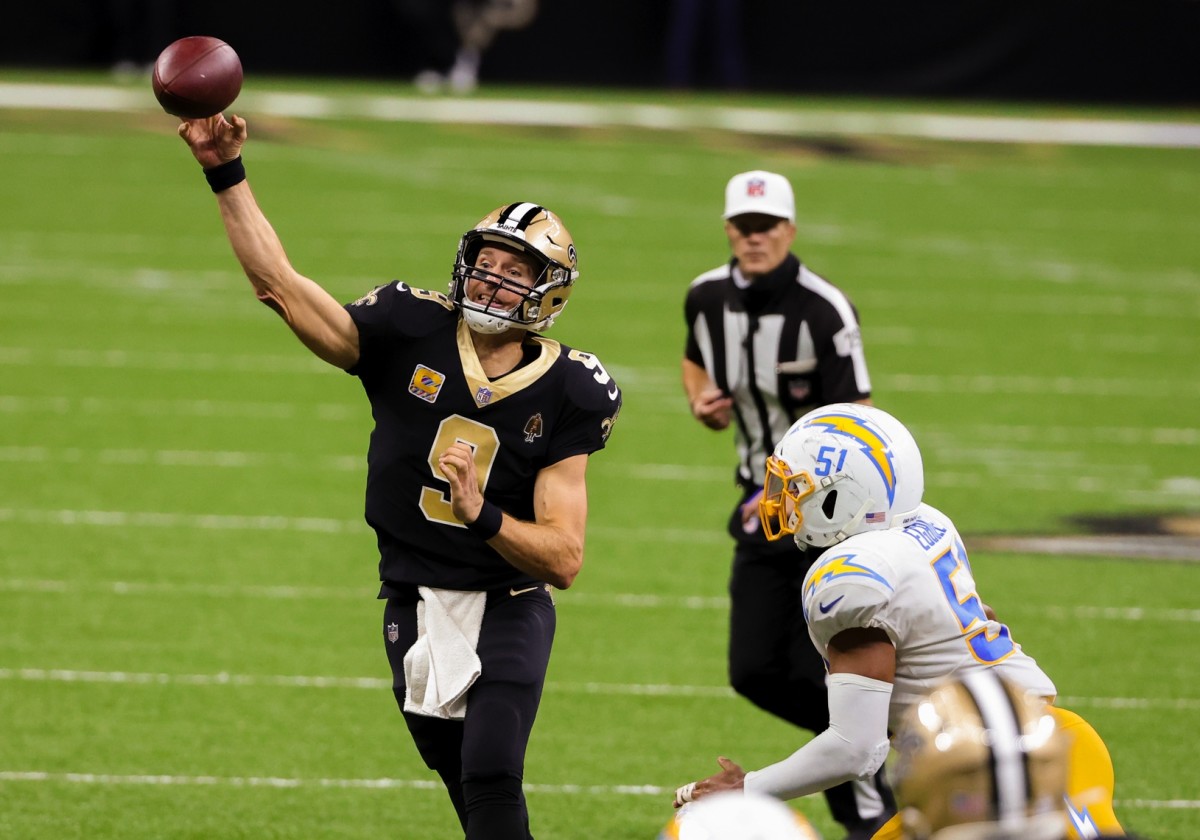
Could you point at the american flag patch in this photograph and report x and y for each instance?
(875, 517)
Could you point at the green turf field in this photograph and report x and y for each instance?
(189, 645)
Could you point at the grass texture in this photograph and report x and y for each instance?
(189, 645)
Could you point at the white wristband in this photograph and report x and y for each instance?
(684, 794)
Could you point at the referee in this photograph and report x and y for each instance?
(767, 341)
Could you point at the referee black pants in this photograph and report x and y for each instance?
(481, 759)
(774, 664)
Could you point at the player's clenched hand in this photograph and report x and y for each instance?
(714, 408)
(214, 140)
(731, 778)
(457, 464)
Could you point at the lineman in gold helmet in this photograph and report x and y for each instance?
(980, 758)
(475, 471)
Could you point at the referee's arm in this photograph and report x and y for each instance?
(709, 404)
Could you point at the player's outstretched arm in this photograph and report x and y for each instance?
(312, 313)
(862, 666)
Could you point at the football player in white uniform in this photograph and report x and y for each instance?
(891, 606)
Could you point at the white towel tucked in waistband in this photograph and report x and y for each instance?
(442, 663)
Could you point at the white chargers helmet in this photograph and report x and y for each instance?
(841, 470)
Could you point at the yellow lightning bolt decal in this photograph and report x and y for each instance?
(841, 566)
(870, 440)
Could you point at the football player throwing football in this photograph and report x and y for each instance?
(475, 469)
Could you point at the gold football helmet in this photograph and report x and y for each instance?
(535, 233)
(981, 759)
(840, 470)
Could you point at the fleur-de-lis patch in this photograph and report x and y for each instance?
(533, 428)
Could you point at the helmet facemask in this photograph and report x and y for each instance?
(783, 494)
(537, 235)
(816, 512)
(839, 471)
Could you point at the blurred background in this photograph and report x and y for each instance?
(1113, 51)
(189, 641)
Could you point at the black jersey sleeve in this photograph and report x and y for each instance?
(394, 312)
(838, 342)
(592, 402)
(691, 309)
(704, 308)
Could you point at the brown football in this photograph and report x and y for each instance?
(197, 77)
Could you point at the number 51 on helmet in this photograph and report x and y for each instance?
(841, 470)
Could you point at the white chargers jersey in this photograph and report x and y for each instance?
(915, 584)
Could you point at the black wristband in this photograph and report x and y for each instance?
(225, 175)
(487, 524)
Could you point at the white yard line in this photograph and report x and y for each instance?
(66, 675)
(205, 522)
(480, 111)
(1172, 548)
(573, 598)
(908, 383)
(281, 782)
(378, 684)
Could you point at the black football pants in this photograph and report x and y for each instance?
(481, 760)
(774, 664)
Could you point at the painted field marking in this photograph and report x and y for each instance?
(221, 678)
(635, 600)
(528, 112)
(287, 783)
(1185, 549)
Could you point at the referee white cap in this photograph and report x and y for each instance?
(760, 192)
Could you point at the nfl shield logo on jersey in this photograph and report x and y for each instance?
(393, 632)
(483, 396)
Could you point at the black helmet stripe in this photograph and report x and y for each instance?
(520, 215)
(1009, 763)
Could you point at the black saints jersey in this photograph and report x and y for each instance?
(427, 390)
(780, 346)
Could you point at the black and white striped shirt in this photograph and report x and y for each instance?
(782, 345)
